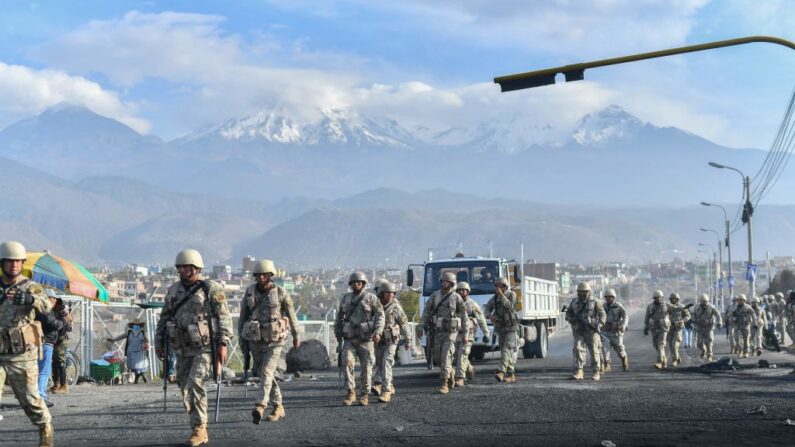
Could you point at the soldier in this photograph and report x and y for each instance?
(463, 368)
(781, 320)
(21, 337)
(396, 326)
(790, 317)
(443, 319)
(679, 315)
(659, 322)
(586, 316)
(613, 331)
(758, 325)
(731, 332)
(190, 307)
(705, 317)
(360, 323)
(743, 318)
(266, 315)
(501, 309)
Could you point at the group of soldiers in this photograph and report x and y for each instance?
(748, 324)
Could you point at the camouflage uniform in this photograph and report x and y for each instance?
(679, 316)
(705, 315)
(265, 318)
(758, 325)
(359, 318)
(20, 371)
(462, 350)
(503, 307)
(790, 318)
(396, 326)
(743, 318)
(446, 316)
(188, 337)
(586, 318)
(781, 321)
(613, 332)
(659, 323)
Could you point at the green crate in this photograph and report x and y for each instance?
(99, 372)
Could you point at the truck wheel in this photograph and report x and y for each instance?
(528, 348)
(477, 355)
(541, 347)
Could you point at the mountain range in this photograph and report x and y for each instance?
(344, 189)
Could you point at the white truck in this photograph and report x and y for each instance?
(537, 299)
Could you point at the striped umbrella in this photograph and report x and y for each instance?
(59, 273)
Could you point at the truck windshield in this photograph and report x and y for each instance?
(479, 274)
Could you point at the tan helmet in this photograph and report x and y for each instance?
(610, 292)
(583, 287)
(449, 277)
(13, 250)
(189, 257)
(378, 283)
(703, 298)
(463, 285)
(502, 281)
(386, 286)
(755, 300)
(741, 297)
(674, 296)
(658, 294)
(264, 266)
(357, 276)
(779, 295)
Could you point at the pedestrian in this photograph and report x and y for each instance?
(501, 311)
(21, 337)
(444, 318)
(758, 326)
(396, 328)
(190, 306)
(586, 315)
(658, 321)
(267, 315)
(705, 317)
(689, 333)
(358, 327)
(781, 322)
(679, 316)
(463, 367)
(743, 318)
(136, 348)
(613, 331)
(59, 359)
(51, 325)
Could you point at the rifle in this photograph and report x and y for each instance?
(165, 368)
(340, 345)
(429, 337)
(246, 365)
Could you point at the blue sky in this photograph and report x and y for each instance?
(169, 68)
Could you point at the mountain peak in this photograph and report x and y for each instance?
(608, 124)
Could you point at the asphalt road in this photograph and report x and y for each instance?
(641, 407)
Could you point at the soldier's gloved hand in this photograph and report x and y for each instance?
(646, 331)
(23, 299)
(486, 339)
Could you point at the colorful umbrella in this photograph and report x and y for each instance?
(59, 273)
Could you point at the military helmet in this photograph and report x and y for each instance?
(386, 286)
(463, 285)
(674, 296)
(189, 257)
(791, 294)
(13, 250)
(779, 295)
(610, 292)
(703, 298)
(755, 300)
(357, 276)
(502, 281)
(658, 294)
(264, 266)
(741, 297)
(583, 287)
(378, 283)
(449, 277)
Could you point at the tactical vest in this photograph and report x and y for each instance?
(583, 311)
(392, 312)
(189, 329)
(266, 321)
(19, 330)
(658, 314)
(358, 315)
(677, 316)
(472, 316)
(743, 316)
(443, 316)
(704, 316)
(614, 322)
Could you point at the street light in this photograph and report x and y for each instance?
(730, 278)
(718, 270)
(748, 212)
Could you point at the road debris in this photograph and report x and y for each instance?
(759, 410)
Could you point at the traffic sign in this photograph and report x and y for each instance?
(750, 272)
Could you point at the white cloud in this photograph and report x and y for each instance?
(25, 91)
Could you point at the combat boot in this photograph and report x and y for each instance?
(675, 363)
(625, 362)
(46, 435)
(376, 389)
(256, 414)
(364, 400)
(659, 365)
(510, 378)
(500, 376)
(444, 389)
(199, 436)
(63, 389)
(596, 376)
(470, 372)
(451, 380)
(606, 367)
(391, 389)
(386, 397)
(578, 375)
(350, 399)
(758, 352)
(459, 383)
(276, 414)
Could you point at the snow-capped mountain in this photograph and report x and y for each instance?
(504, 133)
(610, 124)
